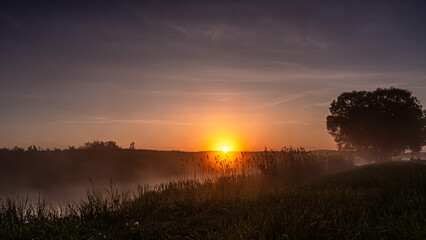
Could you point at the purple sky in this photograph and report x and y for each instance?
(198, 75)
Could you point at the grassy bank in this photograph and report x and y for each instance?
(385, 201)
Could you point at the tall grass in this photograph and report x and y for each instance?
(289, 165)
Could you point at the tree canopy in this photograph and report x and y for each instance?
(100, 145)
(383, 122)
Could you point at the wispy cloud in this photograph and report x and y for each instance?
(104, 120)
(320, 104)
(211, 32)
(11, 21)
(291, 122)
(292, 97)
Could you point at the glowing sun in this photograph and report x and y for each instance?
(224, 144)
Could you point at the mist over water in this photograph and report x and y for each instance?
(66, 176)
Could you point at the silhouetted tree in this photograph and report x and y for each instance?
(32, 148)
(17, 149)
(99, 145)
(383, 122)
(71, 148)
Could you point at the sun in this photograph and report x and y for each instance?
(225, 143)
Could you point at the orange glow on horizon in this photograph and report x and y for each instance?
(224, 144)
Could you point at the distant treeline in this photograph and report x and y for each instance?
(95, 145)
(39, 169)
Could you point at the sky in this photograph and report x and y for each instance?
(198, 75)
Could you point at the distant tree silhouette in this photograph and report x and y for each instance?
(99, 145)
(32, 148)
(17, 149)
(383, 122)
(71, 148)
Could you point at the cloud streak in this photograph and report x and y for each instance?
(291, 122)
(292, 97)
(103, 120)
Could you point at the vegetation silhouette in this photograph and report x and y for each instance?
(101, 146)
(381, 123)
(39, 169)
